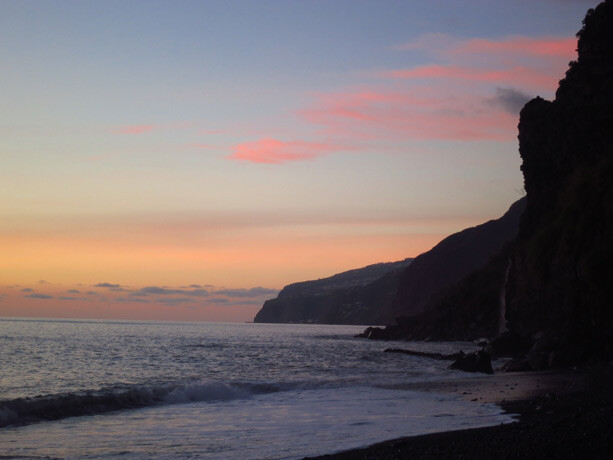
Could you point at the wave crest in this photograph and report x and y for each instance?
(24, 411)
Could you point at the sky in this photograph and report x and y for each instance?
(185, 160)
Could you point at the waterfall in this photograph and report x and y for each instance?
(502, 324)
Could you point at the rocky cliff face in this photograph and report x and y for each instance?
(559, 287)
(354, 297)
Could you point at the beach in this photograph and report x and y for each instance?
(560, 414)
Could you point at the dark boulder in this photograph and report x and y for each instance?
(374, 333)
(425, 354)
(519, 364)
(508, 345)
(479, 361)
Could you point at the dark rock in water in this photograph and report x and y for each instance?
(399, 331)
(425, 354)
(479, 361)
(374, 333)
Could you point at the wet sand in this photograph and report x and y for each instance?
(561, 414)
(504, 387)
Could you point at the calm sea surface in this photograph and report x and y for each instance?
(108, 389)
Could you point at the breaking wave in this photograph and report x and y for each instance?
(23, 411)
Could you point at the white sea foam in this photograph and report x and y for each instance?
(205, 391)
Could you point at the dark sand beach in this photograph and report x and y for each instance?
(561, 414)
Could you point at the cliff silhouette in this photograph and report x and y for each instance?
(378, 294)
(558, 296)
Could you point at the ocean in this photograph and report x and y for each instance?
(142, 390)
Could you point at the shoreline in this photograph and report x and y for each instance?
(562, 414)
(502, 388)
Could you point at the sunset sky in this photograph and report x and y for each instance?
(184, 160)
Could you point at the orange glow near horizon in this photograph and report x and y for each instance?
(233, 261)
(61, 276)
(16, 305)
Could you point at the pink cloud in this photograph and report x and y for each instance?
(456, 98)
(416, 115)
(460, 126)
(273, 151)
(446, 45)
(339, 112)
(469, 91)
(546, 46)
(516, 76)
(136, 129)
(534, 64)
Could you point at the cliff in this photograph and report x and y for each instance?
(558, 295)
(354, 297)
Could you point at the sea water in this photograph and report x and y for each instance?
(119, 389)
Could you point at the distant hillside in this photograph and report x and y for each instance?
(380, 293)
(352, 297)
(452, 259)
(452, 292)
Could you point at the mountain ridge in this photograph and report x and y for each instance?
(372, 294)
